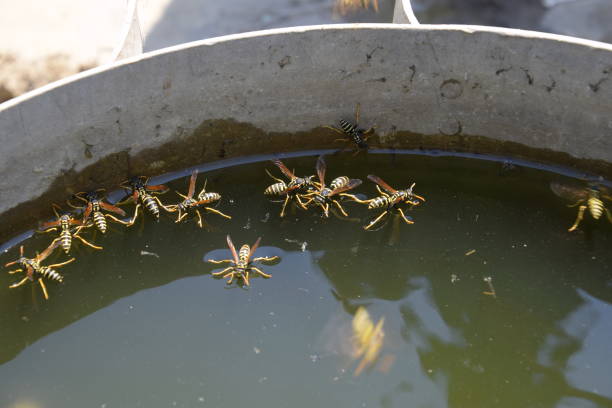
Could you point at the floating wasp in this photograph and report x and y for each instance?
(140, 190)
(34, 270)
(352, 132)
(390, 199)
(323, 195)
(94, 205)
(242, 265)
(586, 197)
(190, 203)
(65, 222)
(290, 189)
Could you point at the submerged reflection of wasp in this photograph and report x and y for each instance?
(367, 339)
(589, 197)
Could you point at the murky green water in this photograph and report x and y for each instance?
(130, 329)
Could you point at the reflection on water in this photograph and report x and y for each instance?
(143, 323)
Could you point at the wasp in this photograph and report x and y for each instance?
(589, 197)
(352, 132)
(189, 202)
(290, 189)
(390, 200)
(65, 222)
(94, 205)
(323, 195)
(242, 264)
(35, 271)
(140, 193)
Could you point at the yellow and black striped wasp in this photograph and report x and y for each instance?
(94, 205)
(322, 196)
(35, 271)
(352, 132)
(585, 197)
(141, 193)
(65, 222)
(242, 264)
(390, 199)
(189, 203)
(291, 189)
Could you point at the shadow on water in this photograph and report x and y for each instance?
(147, 303)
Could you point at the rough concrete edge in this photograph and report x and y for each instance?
(470, 29)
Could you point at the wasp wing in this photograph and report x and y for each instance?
(283, 168)
(192, 183)
(254, 248)
(110, 207)
(321, 168)
(568, 191)
(44, 254)
(382, 183)
(230, 244)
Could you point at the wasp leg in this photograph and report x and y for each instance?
(357, 111)
(578, 217)
(406, 220)
(62, 264)
(160, 203)
(375, 221)
(83, 240)
(231, 276)
(199, 218)
(245, 278)
(266, 259)
(356, 199)
(276, 179)
(340, 207)
(21, 282)
(609, 215)
(181, 216)
(219, 262)
(419, 197)
(229, 217)
(229, 268)
(15, 271)
(282, 214)
(46, 230)
(335, 130)
(260, 272)
(382, 192)
(300, 203)
(44, 288)
(112, 217)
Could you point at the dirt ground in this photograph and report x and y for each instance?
(42, 43)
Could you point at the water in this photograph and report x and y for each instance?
(128, 328)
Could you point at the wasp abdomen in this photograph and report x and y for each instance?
(65, 240)
(596, 207)
(277, 188)
(100, 221)
(378, 202)
(347, 127)
(151, 205)
(49, 273)
(243, 254)
(339, 182)
(209, 197)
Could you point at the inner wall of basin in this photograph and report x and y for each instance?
(473, 89)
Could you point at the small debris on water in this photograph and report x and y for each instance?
(256, 350)
(454, 278)
(470, 252)
(144, 253)
(491, 292)
(266, 217)
(248, 224)
(302, 245)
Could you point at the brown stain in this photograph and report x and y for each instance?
(218, 139)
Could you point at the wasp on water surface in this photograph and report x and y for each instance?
(242, 264)
(291, 189)
(94, 205)
(390, 199)
(189, 202)
(35, 271)
(322, 196)
(352, 132)
(65, 222)
(142, 193)
(585, 197)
